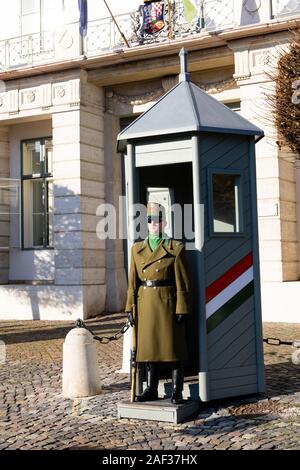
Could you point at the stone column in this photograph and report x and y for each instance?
(115, 273)
(4, 207)
(276, 188)
(78, 171)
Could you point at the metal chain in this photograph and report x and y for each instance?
(104, 339)
(279, 342)
(107, 339)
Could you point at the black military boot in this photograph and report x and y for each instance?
(150, 393)
(177, 383)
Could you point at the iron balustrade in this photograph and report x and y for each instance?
(29, 50)
(281, 8)
(103, 35)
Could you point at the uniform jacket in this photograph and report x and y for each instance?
(160, 336)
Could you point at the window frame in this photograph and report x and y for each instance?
(235, 106)
(44, 176)
(239, 210)
(40, 11)
(25, 15)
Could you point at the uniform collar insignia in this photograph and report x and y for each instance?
(152, 256)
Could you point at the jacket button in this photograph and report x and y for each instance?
(159, 261)
(157, 270)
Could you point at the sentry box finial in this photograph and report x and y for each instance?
(184, 76)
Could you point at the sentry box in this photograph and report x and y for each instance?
(192, 151)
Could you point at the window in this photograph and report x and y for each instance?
(40, 15)
(37, 193)
(30, 16)
(234, 106)
(225, 202)
(52, 14)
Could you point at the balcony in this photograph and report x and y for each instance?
(103, 35)
(283, 8)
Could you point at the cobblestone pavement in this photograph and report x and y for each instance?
(34, 415)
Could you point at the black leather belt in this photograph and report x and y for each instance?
(163, 282)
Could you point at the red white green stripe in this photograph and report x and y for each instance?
(229, 291)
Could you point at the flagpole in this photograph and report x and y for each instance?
(202, 16)
(114, 20)
(169, 15)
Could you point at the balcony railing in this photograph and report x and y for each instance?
(103, 35)
(212, 15)
(27, 50)
(281, 8)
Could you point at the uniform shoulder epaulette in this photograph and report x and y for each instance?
(176, 244)
(139, 243)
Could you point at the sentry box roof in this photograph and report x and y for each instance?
(186, 109)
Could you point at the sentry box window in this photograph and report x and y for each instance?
(225, 201)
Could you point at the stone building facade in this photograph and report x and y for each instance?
(63, 100)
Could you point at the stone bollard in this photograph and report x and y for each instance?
(296, 357)
(80, 366)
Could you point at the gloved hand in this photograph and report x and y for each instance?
(180, 318)
(130, 319)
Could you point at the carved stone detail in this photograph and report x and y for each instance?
(113, 98)
(30, 97)
(138, 99)
(27, 98)
(242, 66)
(66, 39)
(217, 87)
(45, 96)
(259, 59)
(168, 83)
(61, 92)
(239, 77)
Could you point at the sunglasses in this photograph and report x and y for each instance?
(154, 218)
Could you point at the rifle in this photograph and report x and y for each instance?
(133, 353)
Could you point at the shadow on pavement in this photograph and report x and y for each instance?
(117, 387)
(231, 423)
(48, 332)
(282, 379)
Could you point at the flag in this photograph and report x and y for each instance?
(153, 17)
(190, 10)
(83, 17)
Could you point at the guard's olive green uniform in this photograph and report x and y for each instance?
(160, 337)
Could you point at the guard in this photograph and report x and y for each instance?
(159, 281)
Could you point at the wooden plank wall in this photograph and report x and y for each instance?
(231, 344)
